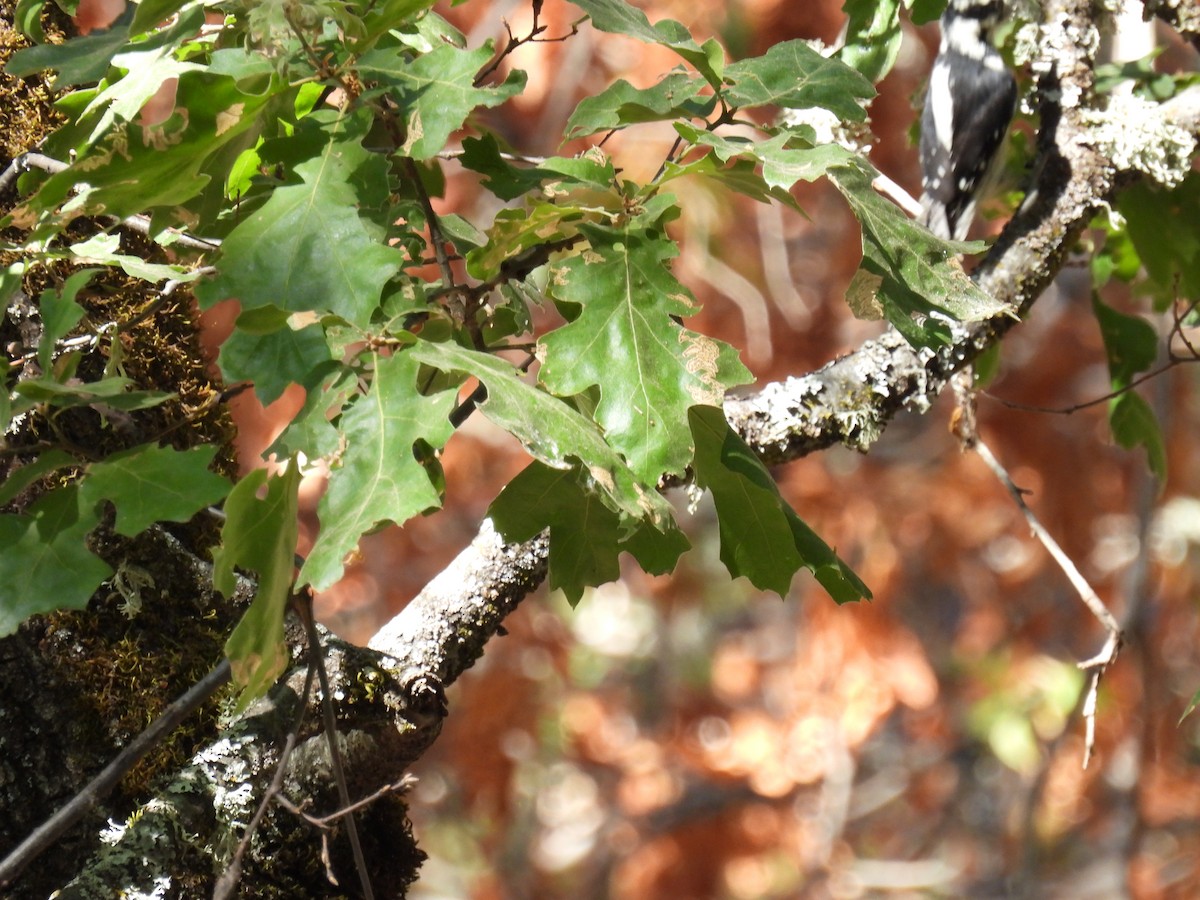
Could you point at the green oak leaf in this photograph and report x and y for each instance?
(619, 17)
(508, 181)
(108, 392)
(60, 313)
(921, 282)
(783, 163)
(1162, 225)
(259, 535)
(308, 248)
(380, 478)
(311, 430)
(148, 64)
(132, 169)
(678, 95)
(1131, 345)
(1134, 424)
(27, 17)
(585, 534)
(78, 61)
(150, 13)
(242, 64)
(795, 76)
(44, 561)
(275, 360)
(436, 91)
(649, 368)
(45, 463)
(873, 37)
(656, 550)
(583, 531)
(925, 11)
(516, 231)
(762, 538)
(740, 174)
(379, 18)
(550, 430)
(151, 484)
(103, 248)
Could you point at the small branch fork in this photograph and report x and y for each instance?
(1179, 316)
(227, 884)
(534, 37)
(964, 426)
(317, 660)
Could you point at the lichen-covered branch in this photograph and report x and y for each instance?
(443, 631)
(391, 696)
(852, 399)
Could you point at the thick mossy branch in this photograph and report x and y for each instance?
(185, 836)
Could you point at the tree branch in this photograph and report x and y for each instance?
(851, 400)
(848, 401)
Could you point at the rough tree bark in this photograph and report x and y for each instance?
(71, 681)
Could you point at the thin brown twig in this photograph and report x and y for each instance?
(1098, 664)
(1177, 331)
(439, 249)
(513, 43)
(726, 117)
(318, 64)
(229, 879)
(1173, 360)
(1095, 401)
(48, 833)
(329, 714)
(327, 822)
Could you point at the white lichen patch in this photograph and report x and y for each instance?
(113, 832)
(231, 778)
(1136, 136)
(1026, 43)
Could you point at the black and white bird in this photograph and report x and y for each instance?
(969, 105)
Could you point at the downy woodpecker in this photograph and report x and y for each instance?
(968, 107)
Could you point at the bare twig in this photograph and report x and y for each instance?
(439, 249)
(329, 714)
(534, 37)
(43, 837)
(327, 822)
(897, 194)
(1086, 404)
(1097, 664)
(24, 163)
(229, 879)
(1179, 316)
